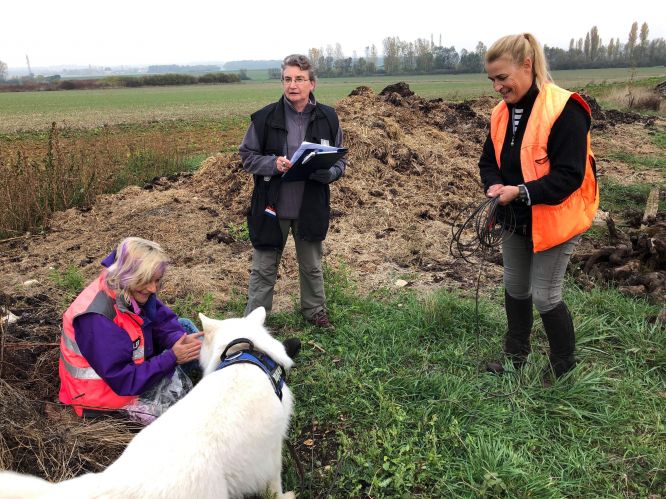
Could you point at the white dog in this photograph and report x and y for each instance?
(222, 440)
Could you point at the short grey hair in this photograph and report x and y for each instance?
(300, 61)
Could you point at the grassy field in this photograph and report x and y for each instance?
(30, 111)
(395, 404)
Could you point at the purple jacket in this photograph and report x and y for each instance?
(108, 349)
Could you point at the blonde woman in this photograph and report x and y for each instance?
(119, 340)
(537, 158)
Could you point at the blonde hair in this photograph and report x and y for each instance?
(136, 263)
(518, 48)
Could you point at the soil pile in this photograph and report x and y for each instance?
(412, 168)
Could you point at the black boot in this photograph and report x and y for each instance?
(559, 327)
(519, 326)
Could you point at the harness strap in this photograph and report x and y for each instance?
(273, 370)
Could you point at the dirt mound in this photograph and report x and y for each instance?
(400, 88)
(612, 117)
(661, 89)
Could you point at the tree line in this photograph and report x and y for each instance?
(168, 79)
(424, 56)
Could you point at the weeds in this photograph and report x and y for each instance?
(70, 281)
(190, 306)
(70, 171)
(239, 232)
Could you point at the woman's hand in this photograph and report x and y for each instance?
(282, 164)
(187, 348)
(507, 193)
(493, 190)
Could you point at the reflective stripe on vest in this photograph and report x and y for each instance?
(71, 344)
(551, 224)
(78, 372)
(74, 347)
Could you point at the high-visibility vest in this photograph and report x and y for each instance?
(80, 385)
(551, 224)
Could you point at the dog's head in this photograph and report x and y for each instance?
(219, 333)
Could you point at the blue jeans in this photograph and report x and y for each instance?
(189, 327)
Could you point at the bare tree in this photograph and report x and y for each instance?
(631, 41)
(392, 54)
(645, 31)
(316, 57)
(372, 58)
(3, 71)
(595, 43)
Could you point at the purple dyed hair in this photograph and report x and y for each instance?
(138, 261)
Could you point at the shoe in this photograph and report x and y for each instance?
(320, 319)
(517, 339)
(559, 327)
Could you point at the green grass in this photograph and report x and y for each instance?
(641, 161)
(395, 405)
(619, 198)
(70, 281)
(230, 102)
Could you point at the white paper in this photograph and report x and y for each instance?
(310, 146)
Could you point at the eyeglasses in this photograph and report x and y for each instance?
(299, 80)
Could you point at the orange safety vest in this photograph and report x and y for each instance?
(551, 224)
(80, 385)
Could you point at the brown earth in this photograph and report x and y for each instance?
(412, 168)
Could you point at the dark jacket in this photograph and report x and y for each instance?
(313, 219)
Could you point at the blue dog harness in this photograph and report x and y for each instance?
(273, 370)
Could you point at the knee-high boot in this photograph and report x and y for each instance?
(559, 327)
(519, 326)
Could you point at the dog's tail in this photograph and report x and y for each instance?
(17, 486)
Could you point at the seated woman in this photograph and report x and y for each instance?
(119, 341)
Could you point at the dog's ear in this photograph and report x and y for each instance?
(292, 347)
(206, 323)
(258, 315)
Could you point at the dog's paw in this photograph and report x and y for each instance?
(288, 495)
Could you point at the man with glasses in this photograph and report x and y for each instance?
(278, 206)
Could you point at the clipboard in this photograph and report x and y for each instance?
(313, 160)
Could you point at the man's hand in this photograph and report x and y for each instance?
(187, 348)
(325, 176)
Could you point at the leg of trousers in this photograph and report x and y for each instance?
(539, 275)
(264, 274)
(311, 275)
(265, 267)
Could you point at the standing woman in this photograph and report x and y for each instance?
(537, 159)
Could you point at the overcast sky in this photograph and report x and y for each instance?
(141, 32)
